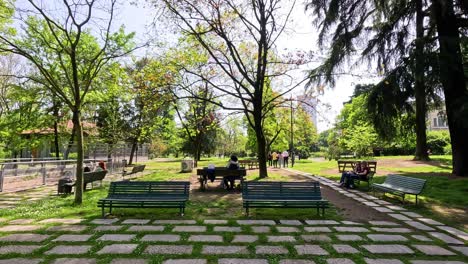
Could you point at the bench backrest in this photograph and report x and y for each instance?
(414, 184)
(223, 171)
(138, 168)
(149, 188)
(282, 190)
(350, 164)
(94, 176)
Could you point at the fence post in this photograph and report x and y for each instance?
(1, 178)
(44, 175)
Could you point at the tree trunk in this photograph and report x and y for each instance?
(80, 158)
(453, 82)
(419, 87)
(56, 140)
(261, 144)
(70, 143)
(132, 152)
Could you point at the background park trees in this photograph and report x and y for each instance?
(66, 54)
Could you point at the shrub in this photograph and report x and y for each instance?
(437, 141)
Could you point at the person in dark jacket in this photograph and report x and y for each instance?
(233, 164)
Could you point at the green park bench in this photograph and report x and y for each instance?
(219, 174)
(135, 169)
(267, 194)
(146, 194)
(400, 185)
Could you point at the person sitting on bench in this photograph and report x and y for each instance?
(233, 164)
(101, 166)
(347, 175)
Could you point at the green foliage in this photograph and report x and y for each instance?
(438, 142)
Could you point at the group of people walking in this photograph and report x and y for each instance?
(279, 159)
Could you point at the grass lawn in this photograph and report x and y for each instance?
(214, 204)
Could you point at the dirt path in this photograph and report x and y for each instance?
(350, 209)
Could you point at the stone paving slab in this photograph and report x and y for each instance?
(310, 250)
(68, 250)
(349, 237)
(321, 238)
(383, 223)
(419, 225)
(169, 249)
(296, 261)
(421, 238)
(351, 229)
(17, 249)
(235, 229)
(184, 261)
(388, 249)
(321, 222)
(403, 230)
(276, 239)
(20, 228)
(435, 262)
(146, 228)
(205, 238)
(430, 221)
(244, 238)
(340, 261)
(288, 229)
(242, 261)
(67, 228)
(291, 222)
(215, 222)
(386, 238)
(317, 229)
(116, 237)
(21, 221)
(446, 238)
(175, 222)
(73, 238)
(64, 221)
(454, 231)
(260, 229)
(271, 250)
(224, 250)
(24, 238)
(74, 261)
(136, 222)
(101, 221)
(118, 249)
(20, 261)
(382, 261)
(351, 223)
(256, 222)
(432, 250)
(400, 217)
(340, 248)
(463, 250)
(189, 228)
(371, 204)
(108, 228)
(396, 208)
(383, 209)
(129, 261)
(382, 202)
(161, 238)
(411, 214)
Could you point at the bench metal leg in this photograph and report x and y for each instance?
(416, 199)
(103, 212)
(247, 211)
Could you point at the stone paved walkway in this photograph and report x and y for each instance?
(406, 237)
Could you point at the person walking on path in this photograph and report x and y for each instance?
(270, 159)
(285, 159)
(275, 159)
(280, 159)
